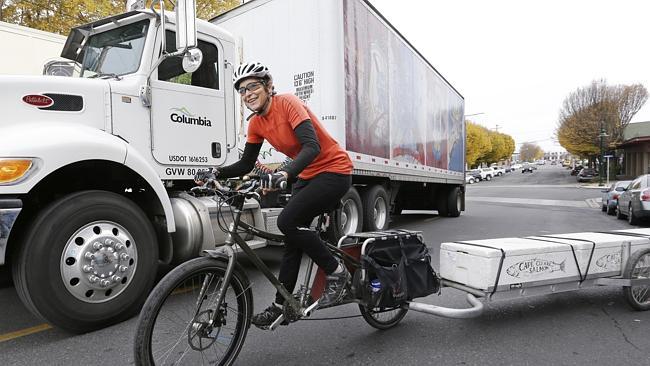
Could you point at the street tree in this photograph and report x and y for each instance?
(485, 146)
(478, 143)
(530, 151)
(588, 109)
(59, 16)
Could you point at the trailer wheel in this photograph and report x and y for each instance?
(348, 218)
(88, 260)
(375, 209)
(638, 266)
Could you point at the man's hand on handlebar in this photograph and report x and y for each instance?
(206, 177)
(274, 181)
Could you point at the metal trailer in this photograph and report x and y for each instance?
(634, 278)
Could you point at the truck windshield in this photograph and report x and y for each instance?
(114, 52)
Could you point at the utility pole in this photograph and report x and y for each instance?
(600, 160)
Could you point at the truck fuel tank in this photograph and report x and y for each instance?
(198, 220)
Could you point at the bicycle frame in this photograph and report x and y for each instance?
(234, 238)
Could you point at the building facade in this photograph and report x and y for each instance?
(634, 151)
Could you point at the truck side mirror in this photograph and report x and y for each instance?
(186, 34)
(185, 24)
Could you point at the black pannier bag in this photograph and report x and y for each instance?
(400, 260)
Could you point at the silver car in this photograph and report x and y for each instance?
(610, 196)
(634, 202)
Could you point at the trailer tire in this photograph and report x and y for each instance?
(347, 218)
(88, 260)
(376, 210)
(638, 296)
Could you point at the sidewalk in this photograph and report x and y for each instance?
(594, 185)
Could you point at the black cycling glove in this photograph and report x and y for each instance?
(273, 180)
(206, 176)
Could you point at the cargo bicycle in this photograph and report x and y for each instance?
(201, 311)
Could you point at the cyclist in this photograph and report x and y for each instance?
(320, 172)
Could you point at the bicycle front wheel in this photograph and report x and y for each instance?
(180, 324)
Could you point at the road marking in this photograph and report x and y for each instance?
(528, 201)
(594, 202)
(24, 332)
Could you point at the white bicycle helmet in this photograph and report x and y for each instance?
(251, 69)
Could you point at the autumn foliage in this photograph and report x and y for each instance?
(530, 151)
(59, 16)
(588, 109)
(485, 146)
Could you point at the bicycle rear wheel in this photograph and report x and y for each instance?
(174, 326)
(382, 319)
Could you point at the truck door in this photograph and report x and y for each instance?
(188, 113)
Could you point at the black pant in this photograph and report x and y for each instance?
(309, 198)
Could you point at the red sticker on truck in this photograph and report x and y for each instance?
(38, 100)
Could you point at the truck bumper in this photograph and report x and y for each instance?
(9, 210)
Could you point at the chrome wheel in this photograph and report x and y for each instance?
(350, 212)
(380, 212)
(98, 261)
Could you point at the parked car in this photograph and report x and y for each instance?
(499, 171)
(472, 176)
(610, 196)
(516, 166)
(634, 202)
(487, 173)
(528, 168)
(587, 175)
(576, 170)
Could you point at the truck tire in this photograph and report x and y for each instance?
(450, 202)
(376, 210)
(454, 202)
(88, 260)
(348, 218)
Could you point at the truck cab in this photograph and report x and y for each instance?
(93, 168)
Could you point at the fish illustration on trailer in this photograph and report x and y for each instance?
(533, 267)
(612, 260)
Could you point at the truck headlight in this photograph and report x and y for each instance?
(12, 170)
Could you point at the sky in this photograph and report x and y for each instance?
(515, 62)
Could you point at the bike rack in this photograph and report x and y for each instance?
(474, 311)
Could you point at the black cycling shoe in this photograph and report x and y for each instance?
(335, 288)
(264, 319)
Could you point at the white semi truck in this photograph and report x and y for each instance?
(95, 170)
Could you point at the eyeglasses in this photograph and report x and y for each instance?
(254, 86)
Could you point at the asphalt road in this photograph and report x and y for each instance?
(592, 326)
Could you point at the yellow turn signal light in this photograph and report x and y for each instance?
(13, 169)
